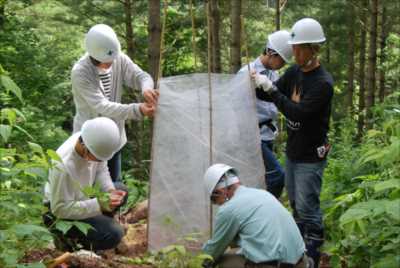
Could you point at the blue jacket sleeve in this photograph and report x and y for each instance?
(225, 229)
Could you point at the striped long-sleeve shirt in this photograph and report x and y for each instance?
(90, 98)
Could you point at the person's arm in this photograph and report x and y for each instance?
(62, 200)
(225, 230)
(309, 105)
(134, 76)
(281, 84)
(103, 177)
(85, 90)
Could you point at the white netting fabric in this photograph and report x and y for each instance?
(179, 206)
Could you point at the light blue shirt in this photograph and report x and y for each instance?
(265, 110)
(264, 229)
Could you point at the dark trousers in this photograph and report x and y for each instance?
(274, 175)
(105, 233)
(114, 166)
(239, 261)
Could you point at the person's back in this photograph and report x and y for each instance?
(267, 230)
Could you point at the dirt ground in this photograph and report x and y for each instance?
(134, 244)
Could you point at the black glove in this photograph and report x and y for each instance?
(208, 263)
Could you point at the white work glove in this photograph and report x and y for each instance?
(264, 82)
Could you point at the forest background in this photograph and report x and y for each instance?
(41, 39)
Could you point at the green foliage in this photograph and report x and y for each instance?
(177, 256)
(23, 172)
(138, 191)
(362, 193)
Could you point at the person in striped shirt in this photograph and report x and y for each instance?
(98, 79)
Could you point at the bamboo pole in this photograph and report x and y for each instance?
(155, 118)
(244, 37)
(164, 22)
(193, 35)
(209, 97)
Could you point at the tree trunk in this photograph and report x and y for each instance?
(370, 100)
(350, 67)
(134, 128)
(361, 71)
(384, 35)
(327, 52)
(129, 28)
(236, 10)
(278, 15)
(215, 42)
(154, 28)
(2, 15)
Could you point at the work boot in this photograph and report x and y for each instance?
(61, 243)
(313, 249)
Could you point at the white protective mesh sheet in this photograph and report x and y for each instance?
(179, 206)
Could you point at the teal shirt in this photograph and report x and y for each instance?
(264, 229)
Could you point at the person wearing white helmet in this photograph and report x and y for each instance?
(276, 53)
(83, 164)
(98, 79)
(254, 220)
(304, 95)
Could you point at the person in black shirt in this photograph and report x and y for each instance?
(304, 95)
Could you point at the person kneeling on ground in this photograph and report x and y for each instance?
(264, 230)
(84, 164)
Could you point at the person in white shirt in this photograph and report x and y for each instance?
(84, 164)
(98, 79)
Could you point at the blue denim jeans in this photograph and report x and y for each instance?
(274, 176)
(303, 183)
(114, 166)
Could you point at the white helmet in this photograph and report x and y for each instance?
(306, 31)
(102, 43)
(101, 136)
(278, 41)
(214, 174)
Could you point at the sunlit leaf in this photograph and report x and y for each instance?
(5, 132)
(10, 85)
(53, 155)
(36, 148)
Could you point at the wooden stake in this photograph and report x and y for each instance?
(59, 260)
(209, 97)
(193, 35)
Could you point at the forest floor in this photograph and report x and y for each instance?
(133, 245)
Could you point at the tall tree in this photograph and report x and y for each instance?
(236, 11)
(350, 66)
(215, 39)
(361, 70)
(129, 28)
(2, 15)
(370, 100)
(383, 36)
(154, 28)
(278, 15)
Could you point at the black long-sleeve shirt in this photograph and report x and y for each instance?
(305, 100)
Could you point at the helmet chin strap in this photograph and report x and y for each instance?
(309, 62)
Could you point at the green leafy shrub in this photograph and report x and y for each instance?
(361, 195)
